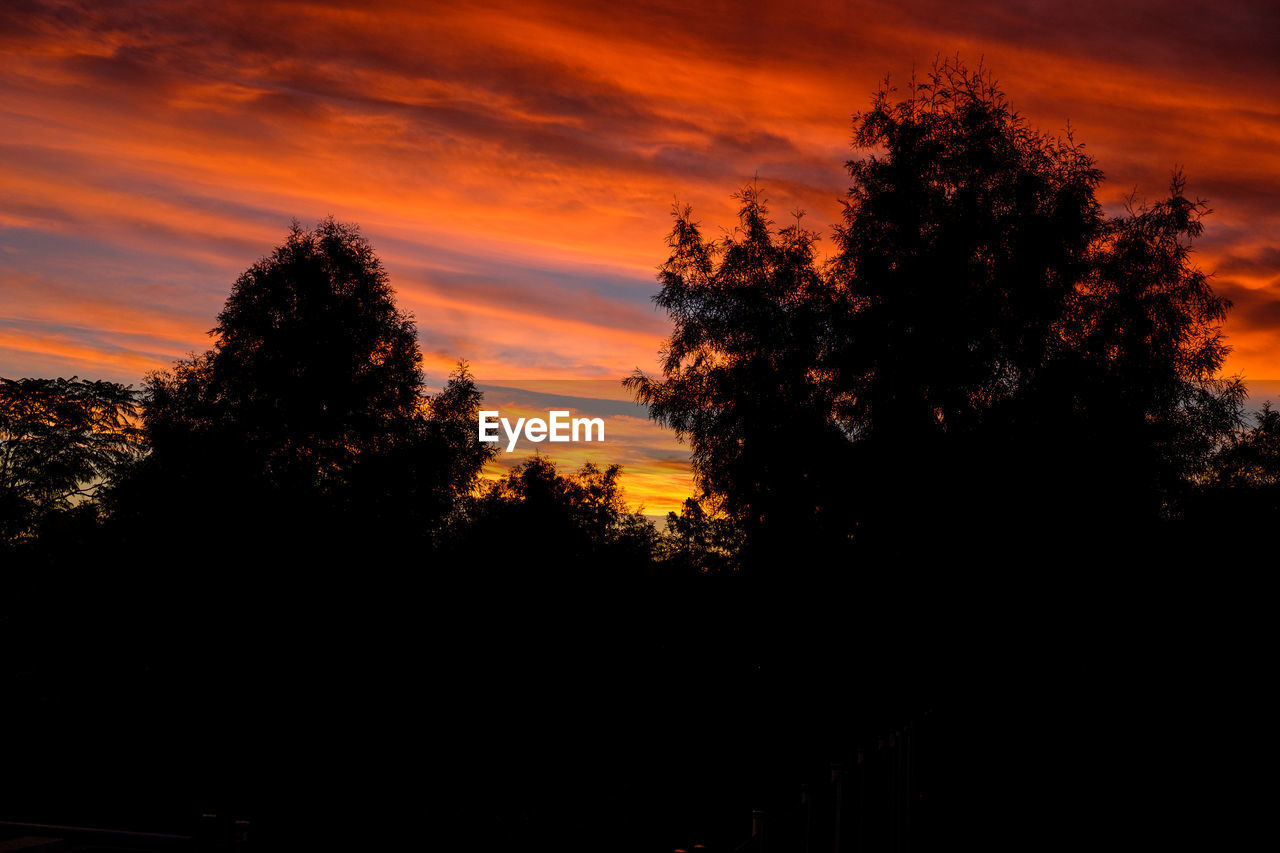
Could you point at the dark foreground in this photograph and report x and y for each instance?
(1010, 705)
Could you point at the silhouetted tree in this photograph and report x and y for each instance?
(1252, 459)
(700, 541)
(1240, 491)
(739, 384)
(420, 475)
(984, 356)
(62, 441)
(310, 403)
(580, 518)
(277, 540)
(312, 367)
(1149, 328)
(965, 234)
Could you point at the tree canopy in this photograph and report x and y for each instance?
(740, 381)
(313, 365)
(579, 521)
(984, 351)
(62, 441)
(310, 407)
(965, 234)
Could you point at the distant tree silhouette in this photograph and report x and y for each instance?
(62, 441)
(311, 402)
(1240, 491)
(581, 518)
(312, 367)
(751, 315)
(700, 541)
(1253, 459)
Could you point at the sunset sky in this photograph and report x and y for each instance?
(515, 164)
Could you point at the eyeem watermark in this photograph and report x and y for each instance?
(557, 427)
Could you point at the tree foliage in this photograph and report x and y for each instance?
(1252, 459)
(62, 441)
(579, 521)
(313, 365)
(700, 541)
(739, 381)
(985, 351)
(1149, 326)
(311, 406)
(965, 234)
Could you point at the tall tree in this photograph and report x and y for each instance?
(751, 315)
(313, 364)
(310, 404)
(985, 352)
(1148, 325)
(965, 234)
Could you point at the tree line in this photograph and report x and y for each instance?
(308, 417)
(984, 342)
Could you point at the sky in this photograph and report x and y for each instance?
(515, 164)
(656, 476)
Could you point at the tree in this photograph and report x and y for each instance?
(310, 409)
(581, 517)
(1148, 327)
(420, 476)
(700, 541)
(1252, 459)
(740, 383)
(985, 355)
(1240, 490)
(964, 236)
(313, 364)
(62, 441)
